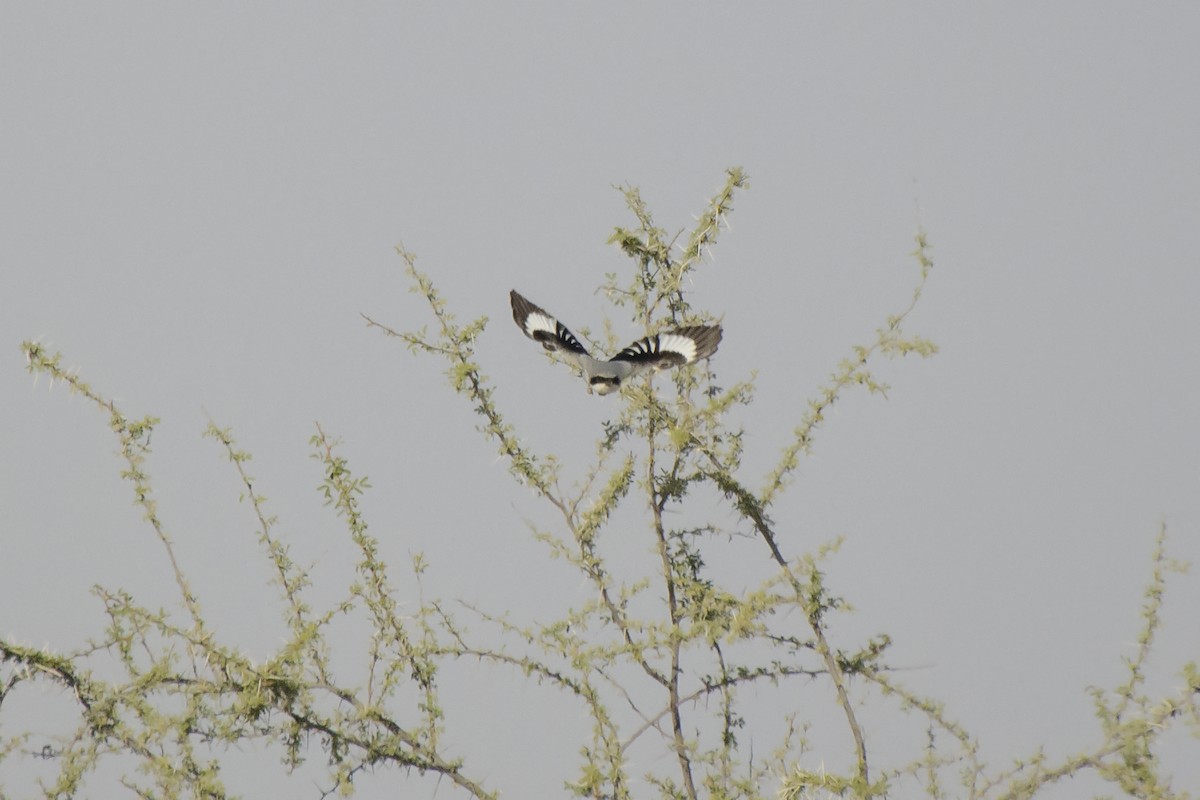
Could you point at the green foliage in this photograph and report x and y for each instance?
(660, 658)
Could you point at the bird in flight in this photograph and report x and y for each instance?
(654, 353)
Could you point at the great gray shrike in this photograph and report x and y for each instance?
(654, 353)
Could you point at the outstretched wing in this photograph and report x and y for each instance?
(672, 348)
(545, 329)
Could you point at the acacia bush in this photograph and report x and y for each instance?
(659, 665)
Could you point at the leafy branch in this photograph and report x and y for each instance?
(660, 655)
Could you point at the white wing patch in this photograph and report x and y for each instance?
(683, 345)
(539, 322)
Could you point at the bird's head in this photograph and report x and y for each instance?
(604, 384)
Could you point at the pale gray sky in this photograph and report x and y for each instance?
(196, 203)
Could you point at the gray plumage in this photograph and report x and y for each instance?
(653, 353)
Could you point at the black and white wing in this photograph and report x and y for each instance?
(671, 348)
(545, 329)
